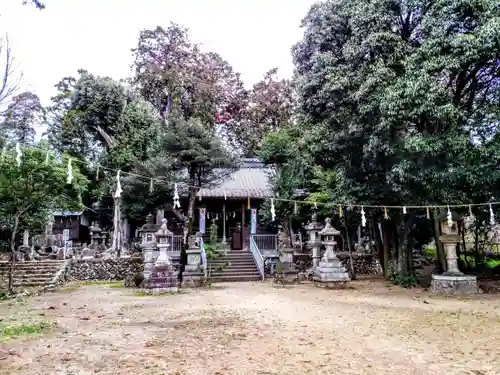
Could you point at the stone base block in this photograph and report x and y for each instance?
(327, 274)
(192, 279)
(156, 291)
(328, 284)
(290, 277)
(454, 285)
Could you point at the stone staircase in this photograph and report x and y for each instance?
(241, 267)
(33, 274)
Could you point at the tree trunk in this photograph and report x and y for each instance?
(379, 243)
(386, 254)
(10, 288)
(405, 244)
(439, 246)
(351, 262)
(188, 229)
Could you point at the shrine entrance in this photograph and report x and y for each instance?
(233, 221)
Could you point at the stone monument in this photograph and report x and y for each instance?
(286, 250)
(25, 250)
(313, 229)
(452, 281)
(163, 278)
(330, 270)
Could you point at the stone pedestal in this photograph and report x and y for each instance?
(316, 252)
(330, 272)
(454, 285)
(193, 273)
(314, 228)
(452, 281)
(147, 250)
(163, 279)
(450, 249)
(289, 270)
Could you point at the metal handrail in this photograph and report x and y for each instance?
(266, 241)
(257, 256)
(203, 256)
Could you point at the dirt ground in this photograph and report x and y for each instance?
(255, 328)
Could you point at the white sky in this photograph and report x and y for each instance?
(97, 35)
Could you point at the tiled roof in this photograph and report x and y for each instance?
(251, 180)
(67, 213)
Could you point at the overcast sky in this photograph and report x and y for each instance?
(97, 35)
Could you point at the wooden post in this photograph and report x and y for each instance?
(243, 213)
(224, 223)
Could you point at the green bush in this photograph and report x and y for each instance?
(404, 280)
(430, 252)
(138, 279)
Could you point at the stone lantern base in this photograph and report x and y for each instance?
(330, 273)
(290, 276)
(163, 280)
(454, 284)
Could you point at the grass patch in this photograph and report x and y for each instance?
(106, 283)
(68, 289)
(116, 286)
(10, 332)
(142, 294)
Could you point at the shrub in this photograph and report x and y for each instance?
(138, 279)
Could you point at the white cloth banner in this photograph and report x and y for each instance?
(203, 212)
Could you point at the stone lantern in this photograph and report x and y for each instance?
(95, 236)
(163, 278)
(148, 230)
(163, 236)
(450, 239)
(452, 281)
(313, 229)
(148, 245)
(330, 269)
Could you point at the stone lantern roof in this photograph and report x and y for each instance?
(328, 230)
(149, 226)
(314, 225)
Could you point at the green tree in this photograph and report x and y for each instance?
(29, 192)
(399, 105)
(104, 122)
(172, 71)
(23, 114)
(268, 106)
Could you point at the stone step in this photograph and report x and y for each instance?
(235, 274)
(34, 262)
(235, 265)
(243, 257)
(32, 266)
(31, 272)
(232, 261)
(31, 284)
(33, 279)
(239, 278)
(34, 274)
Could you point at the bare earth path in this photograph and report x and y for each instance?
(255, 328)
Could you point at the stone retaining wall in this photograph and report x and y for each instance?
(364, 264)
(103, 269)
